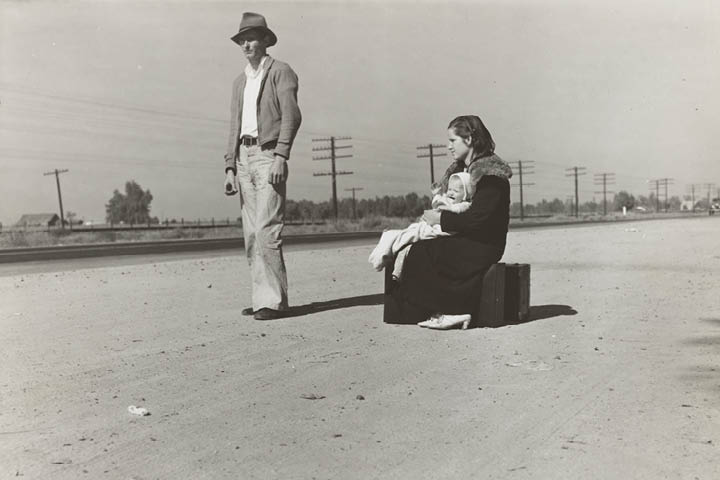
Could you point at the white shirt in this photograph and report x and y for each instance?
(250, 98)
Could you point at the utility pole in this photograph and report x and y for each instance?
(431, 156)
(665, 182)
(333, 156)
(576, 171)
(353, 189)
(57, 173)
(604, 179)
(709, 187)
(528, 170)
(657, 194)
(571, 199)
(691, 188)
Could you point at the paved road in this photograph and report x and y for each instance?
(616, 376)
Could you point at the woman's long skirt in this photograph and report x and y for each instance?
(443, 275)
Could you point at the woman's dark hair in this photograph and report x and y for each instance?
(471, 126)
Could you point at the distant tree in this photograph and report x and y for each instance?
(674, 203)
(531, 209)
(650, 202)
(292, 211)
(397, 207)
(70, 216)
(624, 199)
(702, 204)
(131, 207)
(590, 207)
(555, 206)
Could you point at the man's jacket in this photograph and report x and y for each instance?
(277, 110)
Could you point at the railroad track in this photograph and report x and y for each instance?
(13, 255)
(27, 254)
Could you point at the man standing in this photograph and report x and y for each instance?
(264, 119)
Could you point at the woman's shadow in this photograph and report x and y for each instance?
(537, 312)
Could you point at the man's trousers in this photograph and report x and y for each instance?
(263, 212)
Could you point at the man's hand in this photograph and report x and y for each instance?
(230, 183)
(431, 217)
(277, 171)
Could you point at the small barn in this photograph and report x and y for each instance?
(35, 220)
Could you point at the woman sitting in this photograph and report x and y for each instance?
(442, 278)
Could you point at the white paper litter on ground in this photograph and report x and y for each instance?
(142, 412)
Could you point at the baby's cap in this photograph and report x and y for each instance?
(467, 183)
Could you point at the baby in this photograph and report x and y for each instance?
(393, 242)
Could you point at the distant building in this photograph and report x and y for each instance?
(34, 220)
(687, 205)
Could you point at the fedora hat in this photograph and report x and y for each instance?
(254, 21)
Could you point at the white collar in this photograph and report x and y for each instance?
(251, 72)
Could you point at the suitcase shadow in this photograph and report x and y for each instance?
(538, 312)
(316, 307)
(541, 312)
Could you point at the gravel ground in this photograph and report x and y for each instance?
(616, 376)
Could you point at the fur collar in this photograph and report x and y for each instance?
(491, 165)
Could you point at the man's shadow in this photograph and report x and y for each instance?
(537, 312)
(317, 307)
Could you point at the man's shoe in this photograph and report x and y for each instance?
(247, 311)
(266, 314)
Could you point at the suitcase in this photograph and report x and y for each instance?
(505, 297)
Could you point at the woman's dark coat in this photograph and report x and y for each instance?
(445, 275)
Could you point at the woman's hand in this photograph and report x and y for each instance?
(431, 217)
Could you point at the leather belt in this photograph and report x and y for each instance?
(248, 141)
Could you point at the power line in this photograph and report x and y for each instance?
(103, 104)
(625, 175)
(57, 173)
(353, 189)
(709, 187)
(657, 194)
(44, 96)
(691, 189)
(576, 171)
(431, 155)
(527, 171)
(333, 156)
(661, 182)
(90, 158)
(604, 179)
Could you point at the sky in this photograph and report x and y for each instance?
(121, 90)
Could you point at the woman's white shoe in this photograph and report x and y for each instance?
(446, 322)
